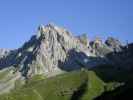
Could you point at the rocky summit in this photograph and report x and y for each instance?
(54, 50)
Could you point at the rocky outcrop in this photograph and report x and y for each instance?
(114, 44)
(99, 48)
(84, 39)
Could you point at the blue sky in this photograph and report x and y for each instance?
(19, 19)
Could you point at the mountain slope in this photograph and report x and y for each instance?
(32, 71)
(46, 53)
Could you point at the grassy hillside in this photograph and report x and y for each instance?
(76, 85)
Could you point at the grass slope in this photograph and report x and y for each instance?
(76, 85)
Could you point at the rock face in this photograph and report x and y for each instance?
(48, 52)
(53, 46)
(54, 49)
(102, 49)
(99, 48)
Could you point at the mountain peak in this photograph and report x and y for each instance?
(49, 26)
(42, 29)
(51, 50)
